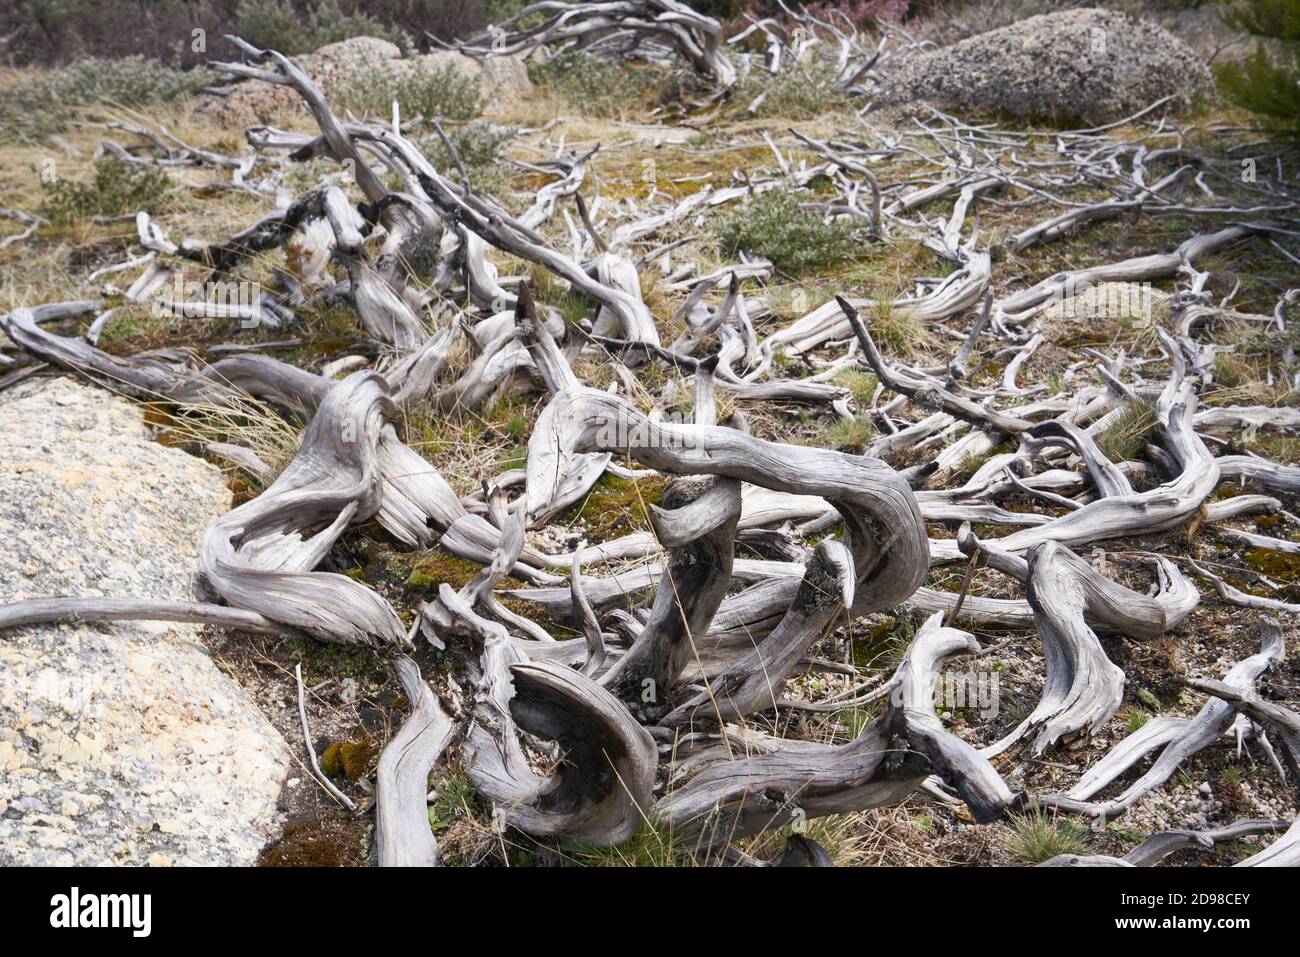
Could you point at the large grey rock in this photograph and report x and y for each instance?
(120, 743)
(1090, 66)
(335, 66)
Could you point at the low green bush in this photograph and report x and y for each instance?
(436, 92)
(32, 111)
(117, 188)
(278, 25)
(796, 240)
(599, 88)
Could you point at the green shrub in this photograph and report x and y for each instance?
(602, 88)
(32, 111)
(117, 188)
(442, 93)
(1263, 83)
(796, 240)
(479, 147)
(794, 93)
(277, 25)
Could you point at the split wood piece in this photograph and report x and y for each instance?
(1083, 688)
(632, 314)
(1235, 596)
(260, 556)
(558, 473)
(1270, 475)
(756, 681)
(1137, 269)
(402, 834)
(1157, 847)
(960, 291)
(1264, 713)
(1168, 506)
(1284, 852)
(1105, 474)
(884, 530)
(926, 392)
(891, 758)
(41, 611)
(1180, 741)
(696, 523)
(587, 620)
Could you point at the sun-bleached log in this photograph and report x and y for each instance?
(403, 837)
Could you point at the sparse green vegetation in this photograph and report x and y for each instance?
(1036, 837)
(117, 188)
(647, 848)
(1266, 83)
(1135, 718)
(32, 111)
(441, 93)
(479, 146)
(280, 25)
(851, 435)
(602, 88)
(897, 331)
(1126, 437)
(453, 800)
(796, 240)
(794, 93)
(616, 506)
(860, 385)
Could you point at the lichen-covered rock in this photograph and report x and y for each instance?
(1076, 66)
(334, 66)
(120, 743)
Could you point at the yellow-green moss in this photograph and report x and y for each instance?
(617, 506)
(350, 758)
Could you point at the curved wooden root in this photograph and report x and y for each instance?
(884, 530)
(892, 757)
(402, 834)
(1083, 688)
(260, 556)
(755, 682)
(602, 786)
(697, 524)
(1181, 740)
